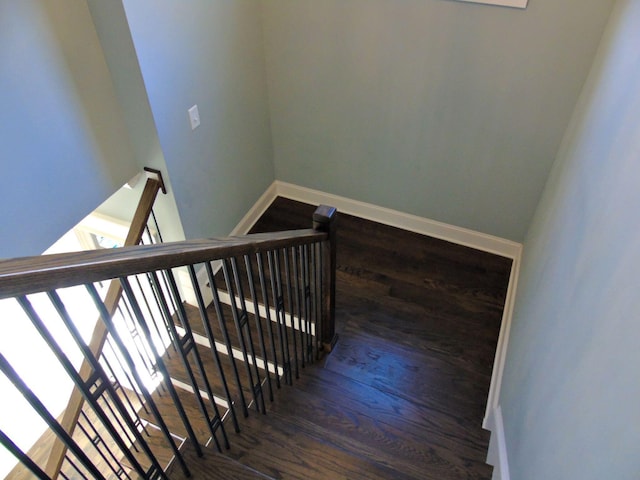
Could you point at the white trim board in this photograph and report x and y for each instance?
(405, 221)
(501, 3)
(497, 454)
(501, 348)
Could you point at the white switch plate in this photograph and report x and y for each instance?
(194, 117)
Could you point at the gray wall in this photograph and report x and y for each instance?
(208, 54)
(571, 389)
(63, 144)
(448, 110)
(113, 31)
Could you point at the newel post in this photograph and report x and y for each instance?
(325, 220)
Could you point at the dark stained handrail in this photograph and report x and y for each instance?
(22, 276)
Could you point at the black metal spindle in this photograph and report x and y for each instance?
(320, 296)
(289, 289)
(240, 320)
(155, 222)
(204, 316)
(265, 300)
(152, 316)
(258, 318)
(17, 452)
(96, 440)
(278, 301)
(98, 380)
(142, 324)
(142, 347)
(188, 346)
(118, 386)
(306, 281)
(39, 407)
(124, 371)
(297, 301)
(107, 320)
(246, 335)
(225, 333)
(75, 467)
(160, 299)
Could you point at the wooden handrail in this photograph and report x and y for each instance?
(27, 275)
(23, 276)
(99, 335)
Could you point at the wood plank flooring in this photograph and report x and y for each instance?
(403, 394)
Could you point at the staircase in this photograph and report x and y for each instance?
(400, 396)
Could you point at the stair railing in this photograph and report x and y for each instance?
(137, 229)
(265, 301)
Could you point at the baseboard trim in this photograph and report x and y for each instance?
(256, 211)
(497, 455)
(503, 340)
(394, 218)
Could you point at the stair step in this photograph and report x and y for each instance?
(395, 369)
(276, 447)
(213, 466)
(382, 427)
(301, 337)
(170, 415)
(158, 444)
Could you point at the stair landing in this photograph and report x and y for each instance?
(403, 394)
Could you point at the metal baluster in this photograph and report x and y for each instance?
(75, 467)
(225, 333)
(115, 355)
(126, 287)
(256, 310)
(166, 314)
(204, 316)
(96, 440)
(155, 222)
(265, 299)
(22, 457)
(188, 345)
(154, 321)
(240, 322)
(246, 328)
(297, 288)
(288, 284)
(117, 385)
(304, 258)
(320, 289)
(98, 378)
(278, 301)
(107, 320)
(127, 319)
(39, 407)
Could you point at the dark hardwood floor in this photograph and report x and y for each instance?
(403, 394)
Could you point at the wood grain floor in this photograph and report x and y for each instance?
(403, 394)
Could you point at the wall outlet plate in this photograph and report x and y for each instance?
(194, 117)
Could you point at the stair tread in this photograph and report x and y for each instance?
(213, 466)
(159, 446)
(170, 415)
(393, 368)
(280, 449)
(380, 426)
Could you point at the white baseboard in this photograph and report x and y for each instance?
(497, 455)
(394, 218)
(256, 211)
(503, 340)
